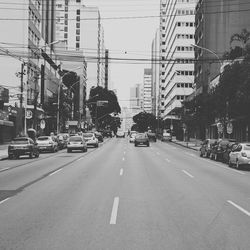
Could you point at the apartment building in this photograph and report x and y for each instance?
(147, 90)
(155, 66)
(177, 29)
(26, 50)
(81, 27)
(215, 23)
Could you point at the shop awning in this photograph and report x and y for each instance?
(6, 123)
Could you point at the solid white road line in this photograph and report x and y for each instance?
(190, 154)
(188, 174)
(123, 159)
(239, 207)
(114, 211)
(55, 172)
(121, 172)
(124, 152)
(1, 202)
(167, 160)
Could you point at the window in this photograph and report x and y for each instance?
(77, 25)
(78, 1)
(65, 35)
(77, 38)
(78, 18)
(78, 12)
(77, 45)
(78, 31)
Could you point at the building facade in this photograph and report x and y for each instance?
(215, 24)
(177, 29)
(147, 90)
(155, 66)
(81, 28)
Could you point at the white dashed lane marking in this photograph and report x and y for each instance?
(114, 211)
(239, 208)
(187, 173)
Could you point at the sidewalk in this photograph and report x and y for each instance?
(3, 151)
(192, 143)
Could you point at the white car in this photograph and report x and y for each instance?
(47, 143)
(120, 134)
(90, 139)
(76, 143)
(240, 155)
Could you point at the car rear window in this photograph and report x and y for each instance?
(141, 136)
(44, 138)
(87, 135)
(77, 138)
(20, 141)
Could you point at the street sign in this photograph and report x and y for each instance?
(42, 124)
(229, 128)
(220, 127)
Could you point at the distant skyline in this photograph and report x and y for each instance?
(128, 38)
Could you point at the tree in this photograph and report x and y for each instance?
(145, 121)
(238, 51)
(101, 113)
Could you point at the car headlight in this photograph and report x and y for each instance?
(243, 154)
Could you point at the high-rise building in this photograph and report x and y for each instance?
(135, 97)
(29, 47)
(177, 28)
(215, 23)
(81, 27)
(155, 66)
(147, 90)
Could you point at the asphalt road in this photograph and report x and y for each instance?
(124, 197)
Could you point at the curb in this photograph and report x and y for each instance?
(185, 146)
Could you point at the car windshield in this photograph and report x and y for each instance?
(43, 138)
(20, 141)
(75, 139)
(87, 135)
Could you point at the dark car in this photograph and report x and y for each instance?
(107, 133)
(152, 136)
(23, 146)
(99, 136)
(206, 147)
(221, 149)
(141, 139)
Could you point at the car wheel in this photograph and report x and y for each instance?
(201, 154)
(148, 145)
(229, 163)
(10, 157)
(37, 154)
(31, 155)
(68, 151)
(135, 145)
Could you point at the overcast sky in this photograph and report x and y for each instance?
(128, 38)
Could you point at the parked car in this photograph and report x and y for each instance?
(77, 142)
(107, 133)
(240, 155)
(206, 147)
(99, 136)
(23, 146)
(141, 139)
(120, 134)
(166, 136)
(47, 143)
(220, 149)
(152, 136)
(91, 139)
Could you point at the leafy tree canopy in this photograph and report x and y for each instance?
(145, 121)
